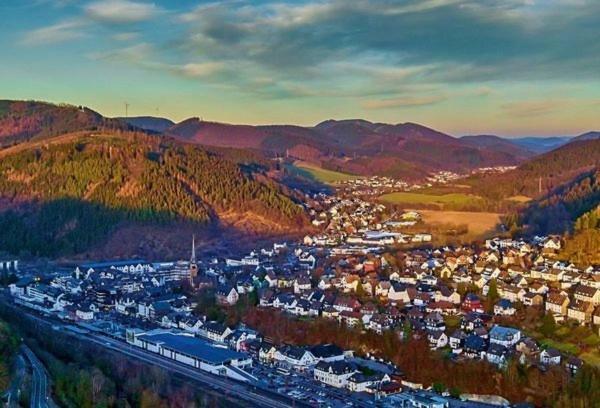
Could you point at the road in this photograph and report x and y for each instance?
(39, 383)
(245, 392)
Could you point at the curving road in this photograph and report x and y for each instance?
(39, 384)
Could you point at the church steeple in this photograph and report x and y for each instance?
(193, 258)
(193, 265)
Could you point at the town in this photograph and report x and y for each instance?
(360, 272)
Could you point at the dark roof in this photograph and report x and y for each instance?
(292, 351)
(223, 290)
(475, 343)
(552, 352)
(193, 347)
(505, 304)
(336, 367)
(326, 351)
(497, 350)
(215, 327)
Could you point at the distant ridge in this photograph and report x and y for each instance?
(587, 136)
(499, 144)
(540, 144)
(357, 146)
(150, 123)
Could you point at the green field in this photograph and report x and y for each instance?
(316, 173)
(435, 199)
(561, 346)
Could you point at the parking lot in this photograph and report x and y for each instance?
(302, 387)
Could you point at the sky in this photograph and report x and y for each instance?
(506, 67)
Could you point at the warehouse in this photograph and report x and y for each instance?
(195, 352)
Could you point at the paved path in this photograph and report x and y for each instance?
(39, 380)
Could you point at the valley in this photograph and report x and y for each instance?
(300, 203)
(299, 248)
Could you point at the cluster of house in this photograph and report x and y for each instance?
(331, 366)
(346, 275)
(132, 288)
(493, 169)
(443, 177)
(367, 291)
(352, 223)
(374, 186)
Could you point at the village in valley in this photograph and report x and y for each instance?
(364, 268)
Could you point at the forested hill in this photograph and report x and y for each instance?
(541, 175)
(583, 245)
(21, 121)
(565, 208)
(62, 198)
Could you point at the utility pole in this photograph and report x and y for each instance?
(126, 109)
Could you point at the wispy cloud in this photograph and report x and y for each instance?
(199, 69)
(144, 55)
(56, 33)
(402, 102)
(121, 11)
(533, 108)
(377, 55)
(125, 36)
(133, 54)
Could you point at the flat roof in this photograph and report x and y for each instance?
(193, 347)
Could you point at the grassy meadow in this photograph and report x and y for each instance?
(314, 172)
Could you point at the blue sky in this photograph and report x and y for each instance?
(510, 67)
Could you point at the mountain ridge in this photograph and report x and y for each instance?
(543, 173)
(149, 123)
(357, 146)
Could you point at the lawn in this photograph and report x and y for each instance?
(561, 346)
(317, 173)
(435, 199)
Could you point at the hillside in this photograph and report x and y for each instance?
(64, 198)
(586, 136)
(149, 123)
(354, 146)
(499, 144)
(583, 245)
(562, 209)
(21, 121)
(542, 174)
